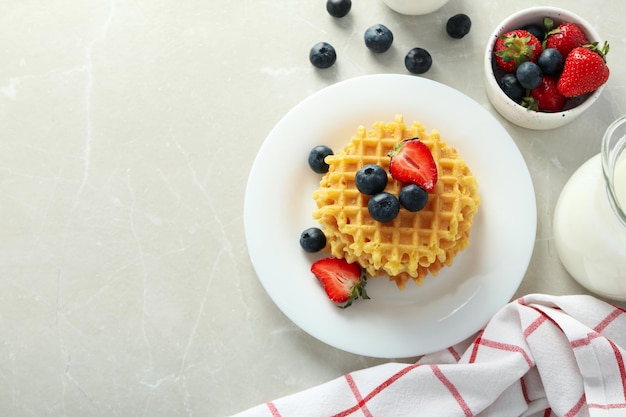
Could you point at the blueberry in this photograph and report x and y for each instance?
(535, 29)
(511, 87)
(312, 240)
(317, 156)
(551, 61)
(458, 25)
(378, 38)
(338, 8)
(322, 55)
(529, 75)
(413, 197)
(418, 61)
(383, 207)
(371, 179)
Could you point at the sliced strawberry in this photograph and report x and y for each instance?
(584, 71)
(343, 282)
(515, 47)
(565, 37)
(413, 163)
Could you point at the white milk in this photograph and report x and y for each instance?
(589, 238)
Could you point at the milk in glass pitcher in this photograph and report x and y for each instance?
(590, 218)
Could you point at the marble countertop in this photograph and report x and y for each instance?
(127, 132)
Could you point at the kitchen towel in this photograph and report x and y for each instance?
(539, 356)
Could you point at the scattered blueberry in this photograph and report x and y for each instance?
(371, 179)
(313, 240)
(317, 156)
(536, 29)
(322, 55)
(338, 8)
(511, 87)
(413, 197)
(458, 25)
(378, 38)
(551, 61)
(383, 207)
(529, 75)
(418, 61)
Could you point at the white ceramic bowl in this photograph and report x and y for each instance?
(514, 112)
(415, 7)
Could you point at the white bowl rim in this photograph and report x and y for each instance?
(415, 7)
(550, 11)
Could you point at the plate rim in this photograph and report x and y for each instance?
(524, 257)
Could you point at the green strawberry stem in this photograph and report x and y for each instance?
(530, 103)
(602, 51)
(357, 291)
(518, 49)
(548, 24)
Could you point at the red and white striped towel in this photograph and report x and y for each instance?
(539, 356)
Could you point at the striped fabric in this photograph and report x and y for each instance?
(539, 356)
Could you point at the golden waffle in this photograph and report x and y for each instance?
(413, 244)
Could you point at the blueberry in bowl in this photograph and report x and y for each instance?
(564, 90)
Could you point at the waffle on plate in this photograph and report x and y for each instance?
(414, 244)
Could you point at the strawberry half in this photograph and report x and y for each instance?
(565, 37)
(412, 162)
(515, 47)
(343, 282)
(584, 71)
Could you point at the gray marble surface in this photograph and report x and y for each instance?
(127, 129)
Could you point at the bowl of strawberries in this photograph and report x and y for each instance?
(544, 66)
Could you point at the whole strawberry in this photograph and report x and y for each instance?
(565, 37)
(515, 47)
(584, 71)
(546, 97)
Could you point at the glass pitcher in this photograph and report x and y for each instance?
(590, 218)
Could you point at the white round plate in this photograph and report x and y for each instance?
(445, 309)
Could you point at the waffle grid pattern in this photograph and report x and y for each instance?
(414, 244)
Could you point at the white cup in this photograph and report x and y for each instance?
(415, 7)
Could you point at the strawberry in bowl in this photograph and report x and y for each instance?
(544, 67)
(584, 71)
(515, 47)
